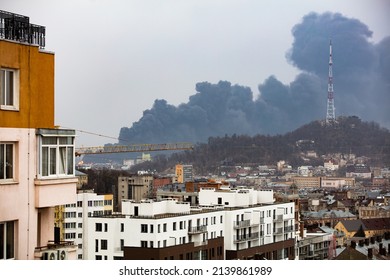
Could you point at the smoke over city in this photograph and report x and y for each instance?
(361, 71)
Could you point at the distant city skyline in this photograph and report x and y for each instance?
(115, 58)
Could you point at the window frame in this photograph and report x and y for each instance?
(3, 167)
(56, 159)
(4, 87)
(7, 238)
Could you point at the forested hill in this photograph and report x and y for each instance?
(348, 135)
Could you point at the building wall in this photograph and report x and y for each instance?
(164, 228)
(36, 85)
(307, 182)
(27, 199)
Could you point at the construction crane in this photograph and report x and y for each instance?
(132, 148)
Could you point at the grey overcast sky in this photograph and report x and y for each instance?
(115, 57)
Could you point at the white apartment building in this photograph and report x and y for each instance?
(89, 204)
(227, 224)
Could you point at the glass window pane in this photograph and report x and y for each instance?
(10, 240)
(2, 87)
(2, 233)
(10, 88)
(70, 161)
(66, 140)
(49, 140)
(9, 161)
(62, 160)
(45, 161)
(53, 159)
(2, 161)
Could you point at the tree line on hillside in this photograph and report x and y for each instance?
(348, 135)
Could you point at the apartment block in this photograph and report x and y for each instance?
(135, 187)
(36, 158)
(88, 204)
(227, 224)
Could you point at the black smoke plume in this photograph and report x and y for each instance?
(361, 71)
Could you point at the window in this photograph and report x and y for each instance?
(164, 227)
(151, 228)
(144, 228)
(7, 242)
(144, 244)
(56, 155)
(105, 227)
(6, 161)
(122, 227)
(174, 225)
(98, 227)
(9, 89)
(103, 244)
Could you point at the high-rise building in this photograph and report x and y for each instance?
(36, 159)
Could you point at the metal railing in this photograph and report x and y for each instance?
(278, 218)
(241, 224)
(246, 237)
(197, 229)
(18, 28)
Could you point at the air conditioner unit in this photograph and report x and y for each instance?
(49, 255)
(62, 255)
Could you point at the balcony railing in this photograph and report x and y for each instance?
(18, 28)
(278, 218)
(289, 229)
(246, 237)
(197, 230)
(241, 224)
(278, 230)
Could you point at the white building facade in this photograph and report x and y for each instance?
(227, 224)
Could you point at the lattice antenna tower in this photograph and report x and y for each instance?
(330, 110)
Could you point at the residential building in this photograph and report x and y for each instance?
(135, 187)
(184, 173)
(333, 182)
(366, 227)
(227, 224)
(88, 204)
(36, 158)
(319, 245)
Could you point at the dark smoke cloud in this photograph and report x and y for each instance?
(361, 73)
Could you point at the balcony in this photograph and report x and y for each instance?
(242, 224)
(262, 220)
(197, 230)
(288, 229)
(278, 218)
(52, 192)
(245, 237)
(278, 231)
(65, 250)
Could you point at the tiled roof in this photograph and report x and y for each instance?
(377, 224)
(352, 225)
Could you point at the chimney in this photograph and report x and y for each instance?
(379, 238)
(361, 242)
(372, 240)
(369, 255)
(367, 241)
(353, 244)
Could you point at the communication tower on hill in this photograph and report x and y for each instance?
(330, 110)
